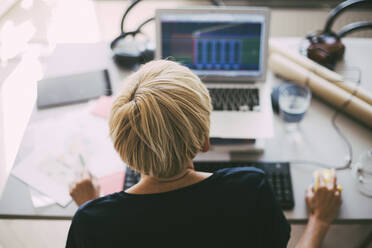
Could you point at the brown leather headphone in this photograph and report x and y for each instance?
(325, 47)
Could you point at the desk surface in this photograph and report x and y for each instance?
(317, 141)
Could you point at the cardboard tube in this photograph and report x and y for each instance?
(322, 71)
(305, 62)
(361, 93)
(322, 88)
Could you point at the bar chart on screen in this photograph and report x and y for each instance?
(216, 46)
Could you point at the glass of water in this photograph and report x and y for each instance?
(294, 100)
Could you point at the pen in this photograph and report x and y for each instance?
(85, 171)
(82, 160)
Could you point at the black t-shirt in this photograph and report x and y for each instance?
(231, 208)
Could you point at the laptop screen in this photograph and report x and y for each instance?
(215, 44)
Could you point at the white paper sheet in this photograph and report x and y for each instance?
(40, 200)
(60, 143)
(49, 174)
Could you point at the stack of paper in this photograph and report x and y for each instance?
(64, 147)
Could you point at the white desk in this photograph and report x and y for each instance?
(318, 141)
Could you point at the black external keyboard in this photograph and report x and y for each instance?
(278, 175)
(131, 178)
(230, 99)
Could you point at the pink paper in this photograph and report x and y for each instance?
(112, 183)
(102, 107)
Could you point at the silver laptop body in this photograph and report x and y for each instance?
(227, 48)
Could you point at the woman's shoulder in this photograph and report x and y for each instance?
(249, 176)
(98, 207)
(241, 171)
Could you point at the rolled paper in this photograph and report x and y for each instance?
(321, 87)
(322, 71)
(305, 62)
(361, 93)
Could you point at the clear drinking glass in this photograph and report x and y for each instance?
(294, 100)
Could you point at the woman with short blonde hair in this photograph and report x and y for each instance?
(158, 124)
(161, 120)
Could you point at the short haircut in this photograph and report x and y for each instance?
(161, 119)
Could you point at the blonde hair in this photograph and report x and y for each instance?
(160, 121)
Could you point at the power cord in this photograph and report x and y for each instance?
(348, 163)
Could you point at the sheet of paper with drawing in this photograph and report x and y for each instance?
(62, 142)
(40, 200)
(48, 174)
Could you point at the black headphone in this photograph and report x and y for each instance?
(127, 54)
(325, 47)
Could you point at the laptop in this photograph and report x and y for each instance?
(227, 48)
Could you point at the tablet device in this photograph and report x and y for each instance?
(73, 88)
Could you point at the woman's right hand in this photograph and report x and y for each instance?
(84, 189)
(325, 201)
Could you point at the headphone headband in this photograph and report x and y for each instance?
(134, 3)
(353, 27)
(338, 10)
(122, 36)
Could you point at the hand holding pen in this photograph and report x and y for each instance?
(85, 187)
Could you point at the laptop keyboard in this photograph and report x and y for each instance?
(234, 99)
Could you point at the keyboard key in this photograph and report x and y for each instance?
(232, 99)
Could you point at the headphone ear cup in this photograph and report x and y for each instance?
(147, 55)
(326, 50)
(127, 53)
(125, 60)
(339, 51)
(319, 54)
